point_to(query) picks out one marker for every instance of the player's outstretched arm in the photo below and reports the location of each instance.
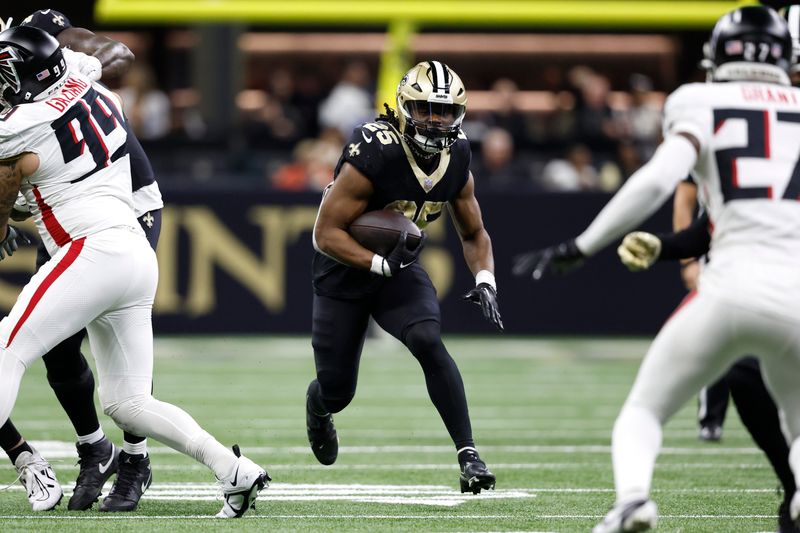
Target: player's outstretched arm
(477, 245)
(115, 57)
(638, 199)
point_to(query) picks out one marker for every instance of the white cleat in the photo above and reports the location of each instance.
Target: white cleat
(242, 487)
(633, 516)
(39, 480)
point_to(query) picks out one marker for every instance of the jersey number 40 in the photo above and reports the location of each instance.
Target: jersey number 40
(758, 146)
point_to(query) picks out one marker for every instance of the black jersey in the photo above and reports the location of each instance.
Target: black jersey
(377, 150)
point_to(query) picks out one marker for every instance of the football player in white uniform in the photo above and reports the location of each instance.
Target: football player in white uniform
(68, 372)
(63, 144)
(739, 136)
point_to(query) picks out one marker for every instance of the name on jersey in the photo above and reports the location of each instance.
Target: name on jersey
(772, 95)
(72, 90)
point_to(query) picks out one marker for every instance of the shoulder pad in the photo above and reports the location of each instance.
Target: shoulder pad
(688, 95)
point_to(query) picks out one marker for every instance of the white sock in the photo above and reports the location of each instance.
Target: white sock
(135, 448)
(634, 447)
(93, 437)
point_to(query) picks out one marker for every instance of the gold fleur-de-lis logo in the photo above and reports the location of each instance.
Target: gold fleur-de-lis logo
(354, 151)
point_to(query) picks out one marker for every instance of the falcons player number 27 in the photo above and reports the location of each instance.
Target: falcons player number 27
(759, 147)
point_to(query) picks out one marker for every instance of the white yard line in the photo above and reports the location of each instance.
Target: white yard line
(377, 517)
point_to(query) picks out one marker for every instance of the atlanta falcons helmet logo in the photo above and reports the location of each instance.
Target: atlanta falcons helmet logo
(8, 74)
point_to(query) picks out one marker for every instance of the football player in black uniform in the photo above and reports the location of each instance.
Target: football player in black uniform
(415, 162)
(67, 370)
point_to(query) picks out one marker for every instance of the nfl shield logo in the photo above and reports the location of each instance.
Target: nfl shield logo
(428, 184)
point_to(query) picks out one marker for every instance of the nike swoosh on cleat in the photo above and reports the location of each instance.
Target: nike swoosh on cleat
(235, 477)
(103, 467)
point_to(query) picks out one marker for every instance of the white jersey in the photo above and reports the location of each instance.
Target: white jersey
(83, 183)
(748, 177)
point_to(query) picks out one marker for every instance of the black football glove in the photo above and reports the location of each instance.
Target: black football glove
(485, 296)
(401, 256)
(558, 259)
(12, 241)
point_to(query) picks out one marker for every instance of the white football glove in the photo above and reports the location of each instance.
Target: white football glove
(87, 65)
(639, 250)
(5, 24)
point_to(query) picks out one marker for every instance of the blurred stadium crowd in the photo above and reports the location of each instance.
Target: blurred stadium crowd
(558, 127)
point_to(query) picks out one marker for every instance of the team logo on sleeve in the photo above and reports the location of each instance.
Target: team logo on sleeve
(8, 74)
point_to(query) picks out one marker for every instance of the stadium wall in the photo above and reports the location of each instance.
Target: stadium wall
(240, 263)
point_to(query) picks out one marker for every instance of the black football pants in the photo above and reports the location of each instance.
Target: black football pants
(407, 308)
(760, 416)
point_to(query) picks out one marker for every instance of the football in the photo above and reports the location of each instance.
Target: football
(379, 230)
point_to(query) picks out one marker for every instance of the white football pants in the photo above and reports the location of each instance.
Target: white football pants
(105, 282)
(697, 345)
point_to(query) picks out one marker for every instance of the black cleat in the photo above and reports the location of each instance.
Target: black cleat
(474, 474)
(98, 462)
(133, 478)
(321, 433)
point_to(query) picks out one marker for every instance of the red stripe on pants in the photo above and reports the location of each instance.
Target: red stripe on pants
(72, 254)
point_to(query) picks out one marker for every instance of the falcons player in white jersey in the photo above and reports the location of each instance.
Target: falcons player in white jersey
(63, 145)
(739, 136)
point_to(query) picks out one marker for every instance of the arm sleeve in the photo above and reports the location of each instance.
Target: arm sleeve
(694, 241)
(641, 196)
(48, 20)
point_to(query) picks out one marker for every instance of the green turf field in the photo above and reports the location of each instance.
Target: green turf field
(542, 412)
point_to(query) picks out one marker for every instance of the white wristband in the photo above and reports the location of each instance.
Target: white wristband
(377, 267)
(484, 276)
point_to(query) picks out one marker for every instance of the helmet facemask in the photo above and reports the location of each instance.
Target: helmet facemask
(432, 126)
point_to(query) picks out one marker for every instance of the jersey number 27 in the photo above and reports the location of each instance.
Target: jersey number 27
(758, 146)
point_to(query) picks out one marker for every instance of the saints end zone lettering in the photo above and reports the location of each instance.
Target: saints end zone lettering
(212, 245)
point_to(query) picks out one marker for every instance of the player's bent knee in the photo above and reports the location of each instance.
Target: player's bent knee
(337, 402)
(125, 413)
(423, 337)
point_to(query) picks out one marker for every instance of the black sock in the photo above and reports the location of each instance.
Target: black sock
(13, 454)
(10, 438)
(445, 386)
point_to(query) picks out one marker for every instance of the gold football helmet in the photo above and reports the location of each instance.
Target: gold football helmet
(431, 102)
